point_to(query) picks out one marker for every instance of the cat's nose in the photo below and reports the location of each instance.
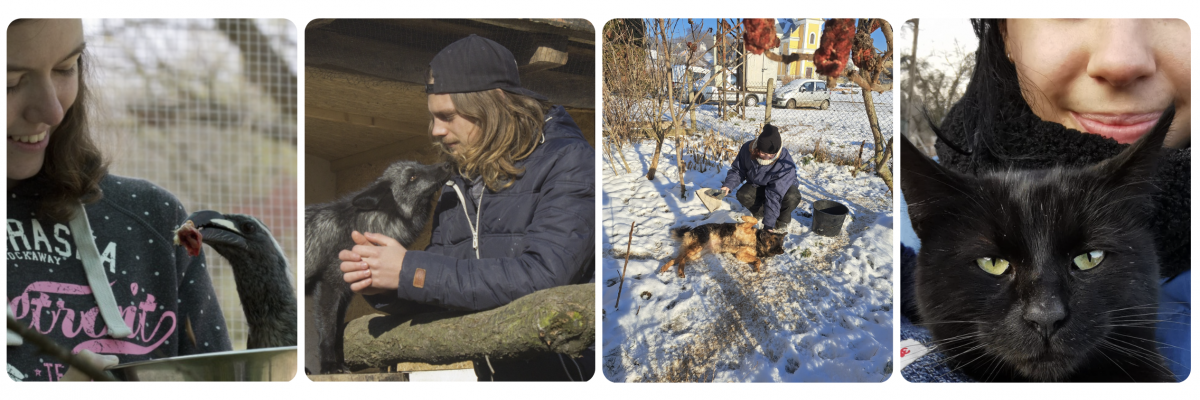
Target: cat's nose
(1045, 313)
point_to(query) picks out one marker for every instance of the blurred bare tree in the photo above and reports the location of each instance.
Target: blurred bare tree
(934, 84)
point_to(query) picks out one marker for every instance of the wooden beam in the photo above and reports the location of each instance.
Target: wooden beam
(577, 29)
(388, 60)
(374, 60)
(354, 119)
(349, 92)
(318, 23)
(419, 145)
(548, 52)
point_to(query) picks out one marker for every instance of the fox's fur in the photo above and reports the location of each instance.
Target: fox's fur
(396, 205)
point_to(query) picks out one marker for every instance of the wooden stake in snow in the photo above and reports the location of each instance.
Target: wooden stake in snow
(627, 247)
(858, 163)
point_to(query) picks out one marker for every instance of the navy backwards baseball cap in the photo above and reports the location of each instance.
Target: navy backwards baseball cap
(474, 64)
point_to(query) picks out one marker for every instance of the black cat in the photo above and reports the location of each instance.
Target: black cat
(1040, 275)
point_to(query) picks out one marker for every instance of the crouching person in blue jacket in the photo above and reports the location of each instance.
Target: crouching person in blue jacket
(772, 190)
(520, 215)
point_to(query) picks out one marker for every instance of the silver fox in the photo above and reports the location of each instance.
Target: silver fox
(397, 205)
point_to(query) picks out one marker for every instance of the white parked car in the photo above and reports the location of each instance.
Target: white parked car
(731, 94)
(802, 93)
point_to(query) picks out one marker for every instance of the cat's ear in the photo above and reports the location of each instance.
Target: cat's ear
(1133, 167)
(928, 187)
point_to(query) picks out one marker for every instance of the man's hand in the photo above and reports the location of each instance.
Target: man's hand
(724, 191)
(373, 265)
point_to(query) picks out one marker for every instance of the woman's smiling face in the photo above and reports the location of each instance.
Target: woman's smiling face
(43, 82)
(1111, 77)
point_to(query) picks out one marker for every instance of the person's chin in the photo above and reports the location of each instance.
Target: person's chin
(23, 167)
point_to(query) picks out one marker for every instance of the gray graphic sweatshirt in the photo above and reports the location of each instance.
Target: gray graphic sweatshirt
(164, 296)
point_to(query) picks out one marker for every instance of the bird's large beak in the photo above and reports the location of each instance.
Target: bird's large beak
(216, 229)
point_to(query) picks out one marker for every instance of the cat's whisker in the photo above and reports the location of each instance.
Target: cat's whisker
(944, 341)
(1132, 358)
(1143, 325)
(946, 358)
(947, 322)
(1116, 363)
(1154, 304)
(1145, 358)
(1149, 356)
(1146, 321)
(1148, 306)
(1160, 344)
(961, 366)
(994, 369)
(1139, 314)
(947, 348)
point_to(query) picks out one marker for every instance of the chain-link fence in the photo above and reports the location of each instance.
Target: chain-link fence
(207, 110)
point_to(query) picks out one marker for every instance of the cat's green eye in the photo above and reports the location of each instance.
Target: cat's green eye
(1089, 260)
(994, 266)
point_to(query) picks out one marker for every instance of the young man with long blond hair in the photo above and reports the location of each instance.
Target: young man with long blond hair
(519, 215)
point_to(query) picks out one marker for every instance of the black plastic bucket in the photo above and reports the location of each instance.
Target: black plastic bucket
(828, 217)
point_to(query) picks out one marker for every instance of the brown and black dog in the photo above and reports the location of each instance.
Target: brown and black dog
(748, 244)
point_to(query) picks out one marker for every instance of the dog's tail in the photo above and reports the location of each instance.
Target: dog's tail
(678, 234)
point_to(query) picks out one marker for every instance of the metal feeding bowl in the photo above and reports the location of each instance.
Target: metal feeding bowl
(271, 364)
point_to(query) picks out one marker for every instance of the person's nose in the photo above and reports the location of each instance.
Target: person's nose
(439, 128)
(1123, 52)
(44, 106)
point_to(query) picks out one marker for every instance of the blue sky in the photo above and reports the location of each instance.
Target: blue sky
(682, 28)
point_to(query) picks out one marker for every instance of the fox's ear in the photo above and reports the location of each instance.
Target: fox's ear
(370, 199)
(749, 219)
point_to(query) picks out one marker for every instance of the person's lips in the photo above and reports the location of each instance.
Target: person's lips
(1124, 128)
(30, 142)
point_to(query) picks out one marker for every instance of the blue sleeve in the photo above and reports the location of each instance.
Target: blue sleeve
(1172, 329)
(735, 177)
(779, 187)
(558, 243)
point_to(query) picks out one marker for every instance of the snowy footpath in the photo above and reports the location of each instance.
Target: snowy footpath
(820, 312)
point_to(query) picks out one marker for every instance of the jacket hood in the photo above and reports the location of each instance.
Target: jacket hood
(559, 124)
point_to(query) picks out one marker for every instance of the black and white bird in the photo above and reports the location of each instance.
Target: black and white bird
(260, 269)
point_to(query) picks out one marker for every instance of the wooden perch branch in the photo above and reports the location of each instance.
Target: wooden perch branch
(555, 320)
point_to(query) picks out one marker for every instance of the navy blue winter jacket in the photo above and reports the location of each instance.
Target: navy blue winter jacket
(536, 234)
(777, 177)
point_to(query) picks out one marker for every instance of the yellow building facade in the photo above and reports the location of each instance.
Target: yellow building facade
(804, 40)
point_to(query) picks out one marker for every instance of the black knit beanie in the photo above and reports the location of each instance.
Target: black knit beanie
(768, 140)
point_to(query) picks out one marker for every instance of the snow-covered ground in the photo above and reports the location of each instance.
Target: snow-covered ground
(820, 312)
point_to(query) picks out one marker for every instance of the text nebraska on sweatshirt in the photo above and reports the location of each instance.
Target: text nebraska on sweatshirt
(33, 244)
